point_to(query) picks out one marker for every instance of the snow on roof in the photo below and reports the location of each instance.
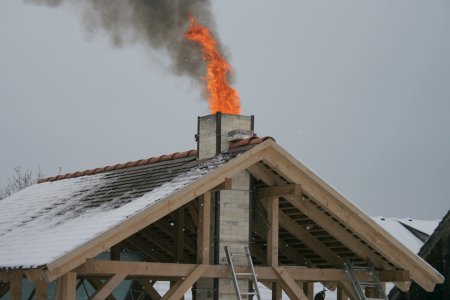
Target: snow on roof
(396, 228)
(45, 221)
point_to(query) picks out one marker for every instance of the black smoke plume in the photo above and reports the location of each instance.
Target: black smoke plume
(158, 23)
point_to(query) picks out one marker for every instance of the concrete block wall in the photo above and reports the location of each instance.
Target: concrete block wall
(234, 226)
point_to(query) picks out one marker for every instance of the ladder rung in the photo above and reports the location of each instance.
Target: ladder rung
(368, 283)
(238, 254)
(248, 293)
(244, 274)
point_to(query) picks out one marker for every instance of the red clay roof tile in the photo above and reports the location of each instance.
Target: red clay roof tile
(177, 155)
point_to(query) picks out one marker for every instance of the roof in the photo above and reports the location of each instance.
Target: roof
(53, 218)
(410, 232)
(67, 221)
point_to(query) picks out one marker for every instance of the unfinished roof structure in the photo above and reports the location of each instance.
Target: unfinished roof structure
(169, 218)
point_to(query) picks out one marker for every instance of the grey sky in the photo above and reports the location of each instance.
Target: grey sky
(357, 90)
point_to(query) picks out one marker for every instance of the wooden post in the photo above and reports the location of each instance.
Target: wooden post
(341, 293)
(179, 236)
(272, 242)
(66, 288)
(41, 289)
(308, 289)
(16, 286)
(204, 228)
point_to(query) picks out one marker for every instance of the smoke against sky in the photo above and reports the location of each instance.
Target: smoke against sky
(357, 90)
(159, 24)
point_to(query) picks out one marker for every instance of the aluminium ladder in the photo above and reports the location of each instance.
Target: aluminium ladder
(254, 291)
(358, 286)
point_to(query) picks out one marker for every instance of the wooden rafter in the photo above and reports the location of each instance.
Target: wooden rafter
(351, 216)
(309, 240)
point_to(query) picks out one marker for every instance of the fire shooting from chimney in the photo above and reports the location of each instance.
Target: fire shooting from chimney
(162, 24)
(221, 96)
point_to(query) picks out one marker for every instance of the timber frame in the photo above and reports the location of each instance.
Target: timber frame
(301, 230)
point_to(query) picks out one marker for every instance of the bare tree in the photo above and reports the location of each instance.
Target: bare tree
(20, 180)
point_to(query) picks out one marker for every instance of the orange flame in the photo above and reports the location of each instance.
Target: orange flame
(221, 96)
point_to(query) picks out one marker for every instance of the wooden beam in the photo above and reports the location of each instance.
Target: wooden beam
(340, 233)
(272, 233)
(403, 285)
(15, 284)
(68, 286)
(309, 240)
(204, 228)
(226, 185)
(179, 228)
(155, 212)
(289, 285)
(192, 210)
(269, 178)
(279, 191)
(97, 284)
(173, 270)
(350, 215)
(4, 288)
(308, 289)
(109, 286)
(42, 290)
(183, 284)
(170, 231)
(150, 290)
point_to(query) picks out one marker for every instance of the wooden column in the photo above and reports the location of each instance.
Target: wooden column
(272, 208)
(179, 236)
(66, 287)
(41, 289)
(341, 293)
(204, 228)
(16, 286)
(308, 289)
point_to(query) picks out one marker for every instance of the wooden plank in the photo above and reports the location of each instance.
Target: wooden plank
(224, 186)
(4, 288)
(289, 285)
(41, 291)
(156, 211)
(97, 284)
(109, 286)
(309, 240)
(308, 289)
(179, 228)
(272, 233)
(279, 191)
(317, 216)
(346, 238)
(150, 290)
(167, 270)
(68, 286)
(183, 284)
(192, 210)
(353, 217)
(204, 228)
(15, 285)
(403, 285)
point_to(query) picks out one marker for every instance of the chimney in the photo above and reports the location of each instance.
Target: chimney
(215, 132)
(230, 208)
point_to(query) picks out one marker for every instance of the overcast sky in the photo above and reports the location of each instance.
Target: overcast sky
(359, 91)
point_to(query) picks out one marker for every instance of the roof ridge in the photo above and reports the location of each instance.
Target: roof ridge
(254, 140)
(140, 162)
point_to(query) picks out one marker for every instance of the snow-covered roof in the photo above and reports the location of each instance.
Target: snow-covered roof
(45, 221)
(398, 228)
